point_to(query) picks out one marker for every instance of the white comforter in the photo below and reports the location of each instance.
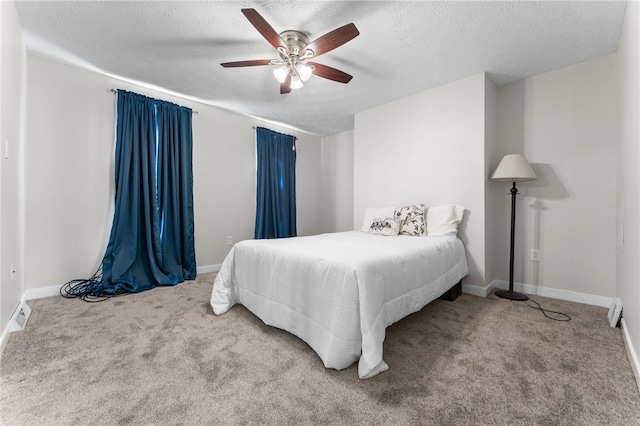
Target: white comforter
(339, 292)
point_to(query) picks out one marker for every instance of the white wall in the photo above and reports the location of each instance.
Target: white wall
(310, 206)
(337, 181)
(628, 166)
(427, 148)
(12, 112)
(443, 144)
(69, 175)
(492, 192)
(564, 122)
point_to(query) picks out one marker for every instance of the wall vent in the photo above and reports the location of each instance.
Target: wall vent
(20, 317)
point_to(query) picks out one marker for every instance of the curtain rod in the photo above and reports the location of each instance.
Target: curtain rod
(295, 137)
(193, 111)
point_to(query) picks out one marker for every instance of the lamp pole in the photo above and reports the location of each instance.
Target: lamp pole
(510, 294)
(513, 168)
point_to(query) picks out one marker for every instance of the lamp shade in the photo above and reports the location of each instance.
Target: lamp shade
(513, 168)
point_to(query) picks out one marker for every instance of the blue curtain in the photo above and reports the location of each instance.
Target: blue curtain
(276, 185)
(152, 236)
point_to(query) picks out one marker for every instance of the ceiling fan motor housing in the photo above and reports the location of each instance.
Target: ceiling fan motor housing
(296, 41)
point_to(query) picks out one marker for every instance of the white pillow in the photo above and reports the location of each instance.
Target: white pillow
(444, 220)
(372, 213)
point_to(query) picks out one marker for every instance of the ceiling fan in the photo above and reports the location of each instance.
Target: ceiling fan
(295, 51)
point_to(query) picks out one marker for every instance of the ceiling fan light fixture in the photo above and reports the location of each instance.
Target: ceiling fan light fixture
(304, 71)
(281, 73)
(294, 49)
(296, 82)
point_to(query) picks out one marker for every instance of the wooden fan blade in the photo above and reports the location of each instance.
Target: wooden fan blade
(333, 39)
(330, 73)
(252, 63)
(263, 28)
(286, 86)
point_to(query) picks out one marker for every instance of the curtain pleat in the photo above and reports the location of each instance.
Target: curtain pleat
(275, 185)
(152, 236)
(176, 195)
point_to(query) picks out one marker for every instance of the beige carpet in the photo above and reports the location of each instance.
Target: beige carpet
(162, 357)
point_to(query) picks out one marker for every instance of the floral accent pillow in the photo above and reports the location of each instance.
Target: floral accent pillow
(388, 226)
(413, 222)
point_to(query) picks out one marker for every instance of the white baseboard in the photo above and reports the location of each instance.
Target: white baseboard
(209, 268)
(631, 352)
(41, 293)
(476, 290)
(570, 296)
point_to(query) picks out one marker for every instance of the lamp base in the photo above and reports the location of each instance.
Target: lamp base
(511, 295)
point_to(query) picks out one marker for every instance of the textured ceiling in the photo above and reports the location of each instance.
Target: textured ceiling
(403, 47)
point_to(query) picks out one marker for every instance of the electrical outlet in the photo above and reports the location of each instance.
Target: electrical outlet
(535, 255)
(229, 240)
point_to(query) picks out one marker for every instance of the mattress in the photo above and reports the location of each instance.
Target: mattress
(339, 292)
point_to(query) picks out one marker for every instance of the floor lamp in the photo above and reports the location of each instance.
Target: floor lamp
(513, 168)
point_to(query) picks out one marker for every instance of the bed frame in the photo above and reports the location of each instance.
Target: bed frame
(453, 293)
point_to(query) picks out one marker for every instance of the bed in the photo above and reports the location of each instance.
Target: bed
(339, 292)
